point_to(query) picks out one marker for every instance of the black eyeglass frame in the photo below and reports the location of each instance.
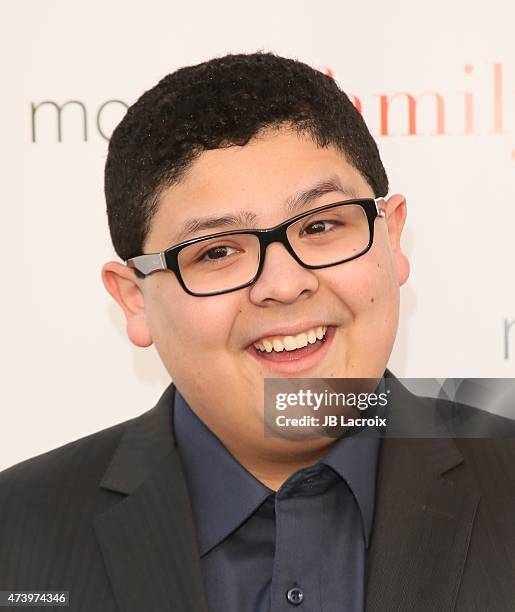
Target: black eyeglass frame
(149, 263)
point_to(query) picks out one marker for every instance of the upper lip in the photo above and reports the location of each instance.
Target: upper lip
(290, 330)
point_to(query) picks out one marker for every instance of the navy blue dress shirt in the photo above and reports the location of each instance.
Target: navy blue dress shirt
(302, 547)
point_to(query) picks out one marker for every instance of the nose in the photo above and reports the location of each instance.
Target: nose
(282, 279)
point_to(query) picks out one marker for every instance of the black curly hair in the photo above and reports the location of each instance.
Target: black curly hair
(221, 103)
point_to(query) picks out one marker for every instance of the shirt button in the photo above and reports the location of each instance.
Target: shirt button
(295, 596)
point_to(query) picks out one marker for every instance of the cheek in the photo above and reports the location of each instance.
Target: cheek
(368, 287)
(193, 326)
(379, 300)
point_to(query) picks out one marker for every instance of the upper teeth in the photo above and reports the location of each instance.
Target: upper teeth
(290, 343)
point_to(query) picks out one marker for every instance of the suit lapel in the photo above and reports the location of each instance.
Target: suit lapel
(422, 524)
(148, 539)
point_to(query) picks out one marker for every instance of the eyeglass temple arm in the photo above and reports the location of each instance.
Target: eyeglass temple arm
(146, 264)
(152, 262)
(380, 211)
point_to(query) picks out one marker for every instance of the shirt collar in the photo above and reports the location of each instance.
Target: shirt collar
(224, 494)
(354, 459)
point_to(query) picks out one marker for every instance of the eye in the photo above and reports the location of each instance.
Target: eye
(318, 227)
(217, 253)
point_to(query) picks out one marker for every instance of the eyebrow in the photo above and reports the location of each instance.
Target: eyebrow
(302, 198)
(247, 219)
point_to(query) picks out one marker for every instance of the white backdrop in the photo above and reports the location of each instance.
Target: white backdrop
(67, 366)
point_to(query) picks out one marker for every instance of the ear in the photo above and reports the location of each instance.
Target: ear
(395, 208)
(124, 287)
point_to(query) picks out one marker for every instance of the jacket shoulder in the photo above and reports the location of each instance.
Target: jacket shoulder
(64, 478)
(47, 504)
(79, 454)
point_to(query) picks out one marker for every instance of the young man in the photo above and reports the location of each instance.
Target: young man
(189, 507)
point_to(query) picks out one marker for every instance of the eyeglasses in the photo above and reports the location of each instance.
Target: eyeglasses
(228, 261)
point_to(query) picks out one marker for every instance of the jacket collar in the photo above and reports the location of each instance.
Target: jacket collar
(423, 521)
(147, 440)
(148, 539)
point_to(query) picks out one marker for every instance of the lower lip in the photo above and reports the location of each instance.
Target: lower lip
(297, 361)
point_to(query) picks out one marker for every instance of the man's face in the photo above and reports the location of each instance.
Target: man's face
(207, 343)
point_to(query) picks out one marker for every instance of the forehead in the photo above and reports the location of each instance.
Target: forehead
(261, 178)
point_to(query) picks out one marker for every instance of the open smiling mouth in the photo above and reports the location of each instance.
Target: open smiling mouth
(292, 348)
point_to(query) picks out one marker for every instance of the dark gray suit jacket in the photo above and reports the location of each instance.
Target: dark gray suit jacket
(108, 518)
